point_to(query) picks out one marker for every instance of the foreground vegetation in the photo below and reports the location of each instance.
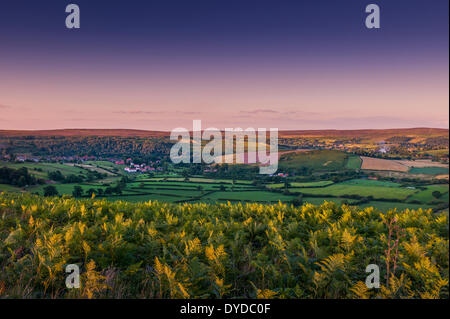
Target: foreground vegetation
(162, 250)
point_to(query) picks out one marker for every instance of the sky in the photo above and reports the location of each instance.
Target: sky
(159, 65)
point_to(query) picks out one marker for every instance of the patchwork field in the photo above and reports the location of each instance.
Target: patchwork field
(171, 187)
(384, 194)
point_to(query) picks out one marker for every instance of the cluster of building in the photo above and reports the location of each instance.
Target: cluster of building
(23, 158)
(279, 175)
(140, 168)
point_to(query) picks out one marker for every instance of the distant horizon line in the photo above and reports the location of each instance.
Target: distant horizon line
(381, 133)
(168, 131)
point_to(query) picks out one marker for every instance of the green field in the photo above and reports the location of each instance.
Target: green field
(176, 193)
(108, 166)
(253, 196)
(194, 179)
(146, 198)
(67, 189)
(46, 168)
(305, 184)
(353, 162)
(342, 190)
(429, 170)
(425, 196)
(321, 160)
(177, 189)
(63, 189)
(187, 185)
(370, 183)
(9, 188)
(172, 188)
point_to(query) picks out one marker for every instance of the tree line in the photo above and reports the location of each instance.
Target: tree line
(18, 177)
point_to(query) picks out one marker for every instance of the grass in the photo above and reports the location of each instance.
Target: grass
(46, 168)
(63, 189)
(343, 190)
(428, 170)
(67, 189)
(362, 187)
(9, 188)
(105, 164)
(175, 193)
(425, 196)
(370, 183)
(353, 162)
(253, 196)
(109, 166)
(186, 185)
(146, 198)
(305, 184)
(195, 179)
(321, 160)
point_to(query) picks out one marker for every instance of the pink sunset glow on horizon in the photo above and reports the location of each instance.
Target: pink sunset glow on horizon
(286, 99)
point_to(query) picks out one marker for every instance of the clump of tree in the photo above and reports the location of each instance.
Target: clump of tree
(77, 191)
(436, 194)
(56, 176)
(72, 178)
(17, 177)
(50, 191)
(298, 201)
